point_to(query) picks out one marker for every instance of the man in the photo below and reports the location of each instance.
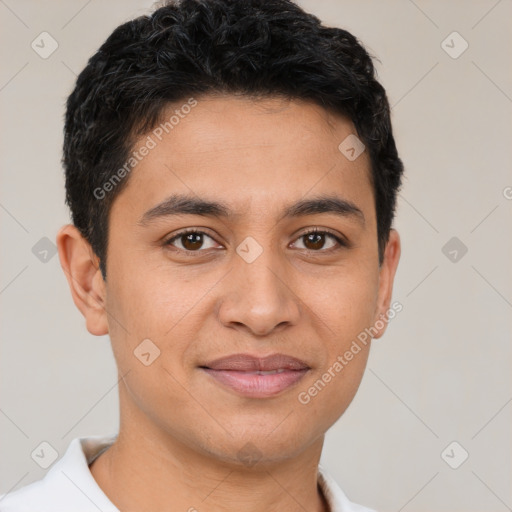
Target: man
(232, 175)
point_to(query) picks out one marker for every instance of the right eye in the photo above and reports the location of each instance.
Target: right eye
(189, 240)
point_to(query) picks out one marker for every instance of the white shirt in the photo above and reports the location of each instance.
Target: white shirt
(70, 487)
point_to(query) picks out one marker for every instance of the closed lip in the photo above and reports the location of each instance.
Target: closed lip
(250, 363)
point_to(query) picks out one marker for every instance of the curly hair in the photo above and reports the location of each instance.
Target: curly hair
(257, 48)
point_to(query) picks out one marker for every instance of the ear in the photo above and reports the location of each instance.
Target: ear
(386, 279)
(81, 267)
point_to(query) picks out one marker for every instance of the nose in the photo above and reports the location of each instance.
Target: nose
(258, 297)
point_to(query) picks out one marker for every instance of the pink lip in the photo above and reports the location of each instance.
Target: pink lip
(241, 373)
(248, 363)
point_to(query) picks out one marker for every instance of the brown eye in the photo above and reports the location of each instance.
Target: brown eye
(191, 241)
(316, 240)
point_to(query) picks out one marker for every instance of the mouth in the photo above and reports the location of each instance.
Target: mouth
(256, 377)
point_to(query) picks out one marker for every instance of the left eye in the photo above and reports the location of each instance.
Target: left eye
(315, 240)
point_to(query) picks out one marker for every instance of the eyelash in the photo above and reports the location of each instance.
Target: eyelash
(341, 242)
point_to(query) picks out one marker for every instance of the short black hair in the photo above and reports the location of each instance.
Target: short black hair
(186, 48)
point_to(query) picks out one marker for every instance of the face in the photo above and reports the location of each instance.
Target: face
(249, 276)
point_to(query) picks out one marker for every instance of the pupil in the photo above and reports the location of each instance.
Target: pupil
(316, 239)
(192, 241)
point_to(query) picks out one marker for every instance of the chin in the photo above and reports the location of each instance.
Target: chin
(250, 448)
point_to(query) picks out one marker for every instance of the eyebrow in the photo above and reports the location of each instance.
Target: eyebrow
(179, 204)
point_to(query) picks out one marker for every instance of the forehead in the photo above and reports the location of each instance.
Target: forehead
(253, 153)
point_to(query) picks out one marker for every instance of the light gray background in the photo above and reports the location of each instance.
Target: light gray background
(442, 371)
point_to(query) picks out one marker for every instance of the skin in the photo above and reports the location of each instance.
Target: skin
(181, 431)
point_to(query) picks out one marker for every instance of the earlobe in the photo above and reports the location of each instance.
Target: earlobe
(386, 279)
(81, 267)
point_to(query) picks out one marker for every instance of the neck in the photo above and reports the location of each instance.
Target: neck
(147, 469)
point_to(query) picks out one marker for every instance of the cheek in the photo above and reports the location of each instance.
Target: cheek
(346, 303)
(146, 303)
(148, 300)
(346, 306)
(148, 345)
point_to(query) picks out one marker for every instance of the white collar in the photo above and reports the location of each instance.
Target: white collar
(69, 485)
